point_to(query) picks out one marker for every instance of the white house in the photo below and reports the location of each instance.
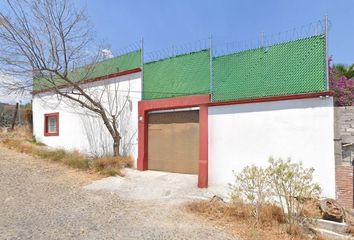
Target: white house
(206, 115)
(61, 123)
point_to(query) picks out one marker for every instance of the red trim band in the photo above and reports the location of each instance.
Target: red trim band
(274, 98)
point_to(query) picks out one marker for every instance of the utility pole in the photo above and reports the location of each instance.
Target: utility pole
(19, 113)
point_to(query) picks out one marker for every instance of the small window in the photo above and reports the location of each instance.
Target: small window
(51, 124)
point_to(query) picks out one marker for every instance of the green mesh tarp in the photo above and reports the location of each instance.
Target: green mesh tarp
(177, 76)
(113, 65)
(283, 69)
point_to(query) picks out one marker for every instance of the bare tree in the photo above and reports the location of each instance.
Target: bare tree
(49, 41)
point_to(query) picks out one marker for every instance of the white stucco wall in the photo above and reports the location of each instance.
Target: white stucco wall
(83, 130)
(245, 134)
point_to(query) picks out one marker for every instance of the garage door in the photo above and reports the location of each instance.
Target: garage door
(173, 144)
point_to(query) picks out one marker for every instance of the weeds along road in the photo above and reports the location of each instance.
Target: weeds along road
(44, 200)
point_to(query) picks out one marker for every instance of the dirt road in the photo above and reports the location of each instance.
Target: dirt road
(45, 200)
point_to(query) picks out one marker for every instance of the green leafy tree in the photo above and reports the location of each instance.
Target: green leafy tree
(342, 70)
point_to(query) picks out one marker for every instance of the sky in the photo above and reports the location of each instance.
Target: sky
(163, 24)
(168, 23)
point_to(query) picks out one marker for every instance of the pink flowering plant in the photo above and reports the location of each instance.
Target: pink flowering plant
(342, 85)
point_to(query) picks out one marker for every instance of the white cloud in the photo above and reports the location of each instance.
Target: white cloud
(106, 53)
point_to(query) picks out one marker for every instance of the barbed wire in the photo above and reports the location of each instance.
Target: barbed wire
(176, 50)
(266, 40)
(133, 47)
(220, 48)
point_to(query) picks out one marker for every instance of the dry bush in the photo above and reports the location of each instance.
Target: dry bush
(288, 182)
(293, 185)
(350, 230)
(311, 209)
(251, 185)
(271, 214)
(112, 166)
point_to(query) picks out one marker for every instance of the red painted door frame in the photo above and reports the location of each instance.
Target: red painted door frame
(147, 106)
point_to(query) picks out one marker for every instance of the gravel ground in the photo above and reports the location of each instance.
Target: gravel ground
(158, 186)
(41, 200)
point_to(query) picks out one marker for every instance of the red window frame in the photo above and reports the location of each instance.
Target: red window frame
(46, 116)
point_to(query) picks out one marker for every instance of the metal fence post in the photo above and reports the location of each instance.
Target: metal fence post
(261, 39)
(142, 68)
(326, 22)
(211, 67)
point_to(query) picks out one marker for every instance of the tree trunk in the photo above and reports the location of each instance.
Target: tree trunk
(14, 118)
(116, 145)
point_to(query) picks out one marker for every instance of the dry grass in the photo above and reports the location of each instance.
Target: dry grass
(270, 214)
(76, 160)
(220, 210)
(296, 231)
(238, 219)
(19, 133)
(54, 155)
(19, 145)
(320, 237)
(112, 166)
(73, 159)
(21, 141)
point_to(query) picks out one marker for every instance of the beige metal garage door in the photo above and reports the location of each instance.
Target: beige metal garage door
(173, 144)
